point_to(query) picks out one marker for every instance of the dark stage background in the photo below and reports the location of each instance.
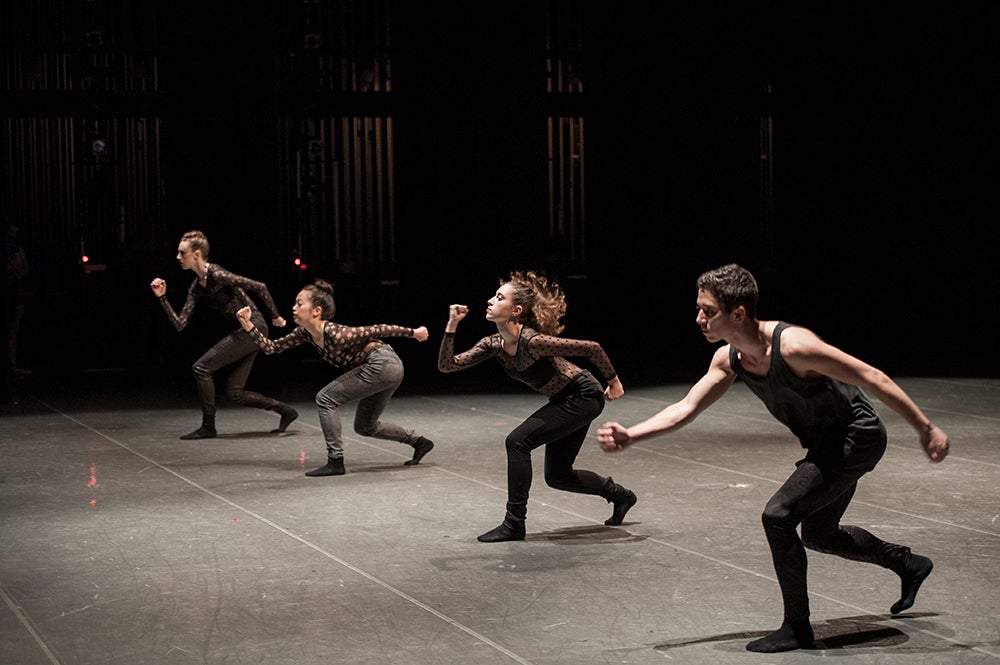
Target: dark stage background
(414, 152)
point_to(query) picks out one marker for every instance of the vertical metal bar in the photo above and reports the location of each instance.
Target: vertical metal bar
(366, 220)
(158, 173)
(347, 165)
(767, 180)
(377, 189)
(571, 192)
(551, 175)
(357, 221)
(563, 184)
(391, 187)
(581, 187)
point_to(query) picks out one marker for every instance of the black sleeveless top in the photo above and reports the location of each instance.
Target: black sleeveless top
(815, 410)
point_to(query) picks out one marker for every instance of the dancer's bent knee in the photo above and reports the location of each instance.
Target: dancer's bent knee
(777, 519)
(517, 448)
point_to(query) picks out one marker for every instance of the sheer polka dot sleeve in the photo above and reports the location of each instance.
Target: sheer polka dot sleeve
(549, 346)
(295, 338)
(243, 286)
(344, 346)
(180, 321)
(449, 362)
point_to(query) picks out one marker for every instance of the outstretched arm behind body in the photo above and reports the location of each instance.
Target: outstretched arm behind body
(808, 355)
(614, 437)
(252, 287)
(551, 345)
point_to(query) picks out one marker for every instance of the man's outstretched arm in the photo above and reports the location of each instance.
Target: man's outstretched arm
(614, 437)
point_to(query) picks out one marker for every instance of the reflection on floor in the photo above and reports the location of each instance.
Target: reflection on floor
(122, 544)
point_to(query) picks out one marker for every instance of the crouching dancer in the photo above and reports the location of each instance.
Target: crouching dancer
(813, 388)
(526, 310)
(374, 372)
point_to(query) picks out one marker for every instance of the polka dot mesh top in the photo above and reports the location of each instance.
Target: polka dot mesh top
(539, 361)
(343, 346)
(224, 292)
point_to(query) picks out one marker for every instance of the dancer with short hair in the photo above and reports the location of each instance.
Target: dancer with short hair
(217, 289)
(815, 390)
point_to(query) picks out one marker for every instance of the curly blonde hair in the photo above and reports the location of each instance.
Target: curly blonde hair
(543, 302)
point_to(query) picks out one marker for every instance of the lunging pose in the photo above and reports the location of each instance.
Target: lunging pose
(374, 371)
(814, 389)
(526, 310)
(216, 288)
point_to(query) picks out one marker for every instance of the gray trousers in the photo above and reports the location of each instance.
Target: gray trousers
(238, 351)
(371, 384)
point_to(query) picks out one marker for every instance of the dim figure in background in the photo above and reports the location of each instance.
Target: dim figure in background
(15, 291)
(218, 289)
(527, 310)
(815, 390)
(374, 371)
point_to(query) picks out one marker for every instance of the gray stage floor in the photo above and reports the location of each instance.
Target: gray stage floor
(123, 545)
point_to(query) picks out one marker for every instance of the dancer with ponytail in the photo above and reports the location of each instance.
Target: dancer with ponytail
(218, 289)
(527, 310)
(374, 371)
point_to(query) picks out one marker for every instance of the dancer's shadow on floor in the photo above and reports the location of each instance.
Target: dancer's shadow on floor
(843, 633)
(263, 434)
(383, 468)
(848, 632)
(586, 534)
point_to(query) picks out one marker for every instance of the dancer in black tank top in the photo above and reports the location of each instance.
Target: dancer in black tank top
(815, 390)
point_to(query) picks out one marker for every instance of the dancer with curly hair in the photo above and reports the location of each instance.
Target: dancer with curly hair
(374, 371)
(217, 289)
(527, 309)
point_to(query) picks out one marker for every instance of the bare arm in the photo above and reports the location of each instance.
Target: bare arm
(808, 355)
(613, 437)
